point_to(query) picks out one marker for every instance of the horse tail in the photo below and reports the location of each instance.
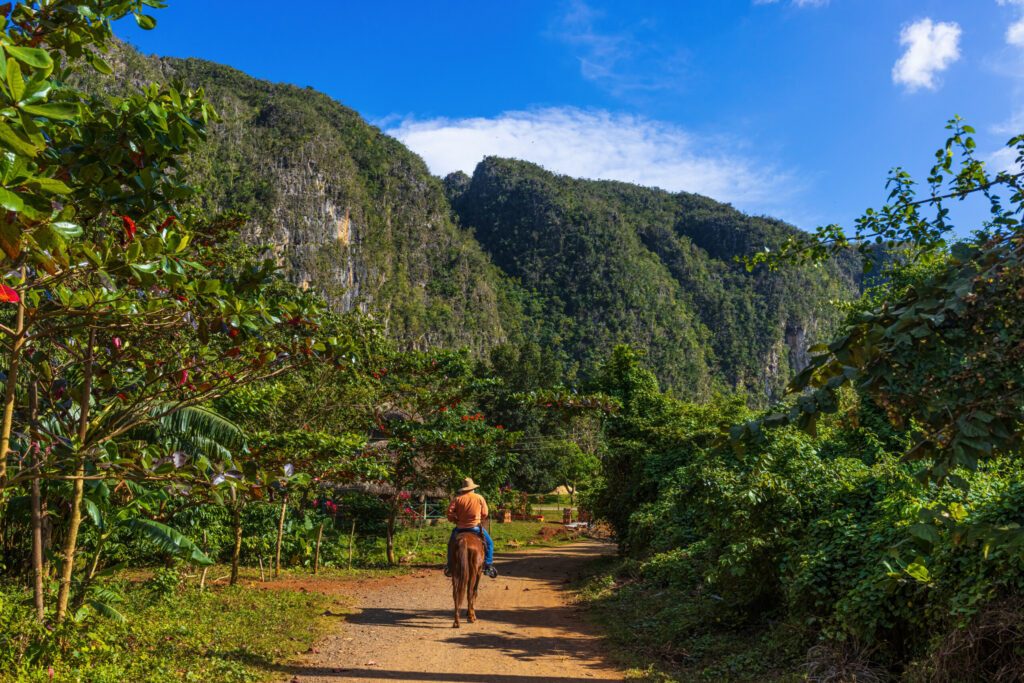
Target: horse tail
(466, 560)
(460, 577)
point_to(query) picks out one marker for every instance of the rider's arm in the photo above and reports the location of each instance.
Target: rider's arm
(483, 510)
(452, 517)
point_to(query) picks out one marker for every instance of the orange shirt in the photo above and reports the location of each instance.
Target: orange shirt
(467, 510)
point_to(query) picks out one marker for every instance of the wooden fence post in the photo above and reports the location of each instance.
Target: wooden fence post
(351, 541)
(206, 548)
(316, 555)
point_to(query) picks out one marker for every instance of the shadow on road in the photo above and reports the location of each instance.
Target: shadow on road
(392, 675)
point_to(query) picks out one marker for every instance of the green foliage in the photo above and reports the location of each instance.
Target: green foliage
(615, 263)
(877, 566)
(185, 635)
(369, 228)
(940, 354)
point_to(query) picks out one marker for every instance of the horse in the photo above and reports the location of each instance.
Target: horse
(468, 564)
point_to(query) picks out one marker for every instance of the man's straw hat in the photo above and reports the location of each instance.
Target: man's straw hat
(468, 485)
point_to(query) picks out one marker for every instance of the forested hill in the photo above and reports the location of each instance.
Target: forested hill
(349, 211)
(573, 265)
(617, 262)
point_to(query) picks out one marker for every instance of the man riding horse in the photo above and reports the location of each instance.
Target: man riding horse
(468, 510)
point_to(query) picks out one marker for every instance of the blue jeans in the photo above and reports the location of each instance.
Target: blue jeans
(488, 543)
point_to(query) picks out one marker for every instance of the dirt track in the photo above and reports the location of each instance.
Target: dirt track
(527, 632)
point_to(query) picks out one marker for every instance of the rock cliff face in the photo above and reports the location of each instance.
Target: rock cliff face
(347, 210)
(511, 254)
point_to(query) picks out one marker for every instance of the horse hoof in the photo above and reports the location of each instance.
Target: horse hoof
(455, 626)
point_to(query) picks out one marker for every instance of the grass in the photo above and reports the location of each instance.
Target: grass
(667, 633)
(223, 634)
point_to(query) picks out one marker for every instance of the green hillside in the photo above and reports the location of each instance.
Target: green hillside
(620, 263)
(348, 211)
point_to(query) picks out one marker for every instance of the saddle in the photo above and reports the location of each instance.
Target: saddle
(479, 531)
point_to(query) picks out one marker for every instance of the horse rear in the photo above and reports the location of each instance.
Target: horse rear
(468, 565)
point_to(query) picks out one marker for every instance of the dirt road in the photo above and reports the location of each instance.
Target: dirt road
(527, 631)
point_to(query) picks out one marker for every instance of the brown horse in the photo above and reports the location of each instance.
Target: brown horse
(468, 555)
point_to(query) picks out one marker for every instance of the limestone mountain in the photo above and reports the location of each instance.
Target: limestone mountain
(514, 254)
(347, 210)
(616, 262)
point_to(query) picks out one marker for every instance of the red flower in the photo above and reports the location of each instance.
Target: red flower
(233, 332)
(121, 395)
(498, 427)
(8, 295)
(167, 221)
(331, 507)
(117, 343)
(183, 377)
(129, 228)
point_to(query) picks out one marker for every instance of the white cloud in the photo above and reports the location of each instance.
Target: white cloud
(798, 3)
(930, 49)
(601, 145)
(624, 60)
(1014, 125)
(1004, 159)
(1015, 33)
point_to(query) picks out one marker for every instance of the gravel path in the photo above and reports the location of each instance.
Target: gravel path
(527, 632)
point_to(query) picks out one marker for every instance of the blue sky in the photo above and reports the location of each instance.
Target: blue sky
(794, 108)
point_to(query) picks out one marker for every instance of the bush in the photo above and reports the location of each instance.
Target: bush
(831, 539)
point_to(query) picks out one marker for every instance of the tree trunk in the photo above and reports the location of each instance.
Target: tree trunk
(11, 386)
(67, 568)
(236, 552)
(75, 521)
(316, 555)
(37, 505)
(280, 535)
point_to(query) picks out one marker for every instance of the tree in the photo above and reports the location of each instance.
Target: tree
(942, 357)
(118, 320)
(428, 431)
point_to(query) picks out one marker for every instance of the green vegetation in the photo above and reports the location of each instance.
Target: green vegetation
(170, 399)
(871, 529)
(615, 263)
(173, 634)
(184, 384)
(345, 210)
(514, 255)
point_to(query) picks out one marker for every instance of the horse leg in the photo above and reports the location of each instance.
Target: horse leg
(457, 587)
(471, 590)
